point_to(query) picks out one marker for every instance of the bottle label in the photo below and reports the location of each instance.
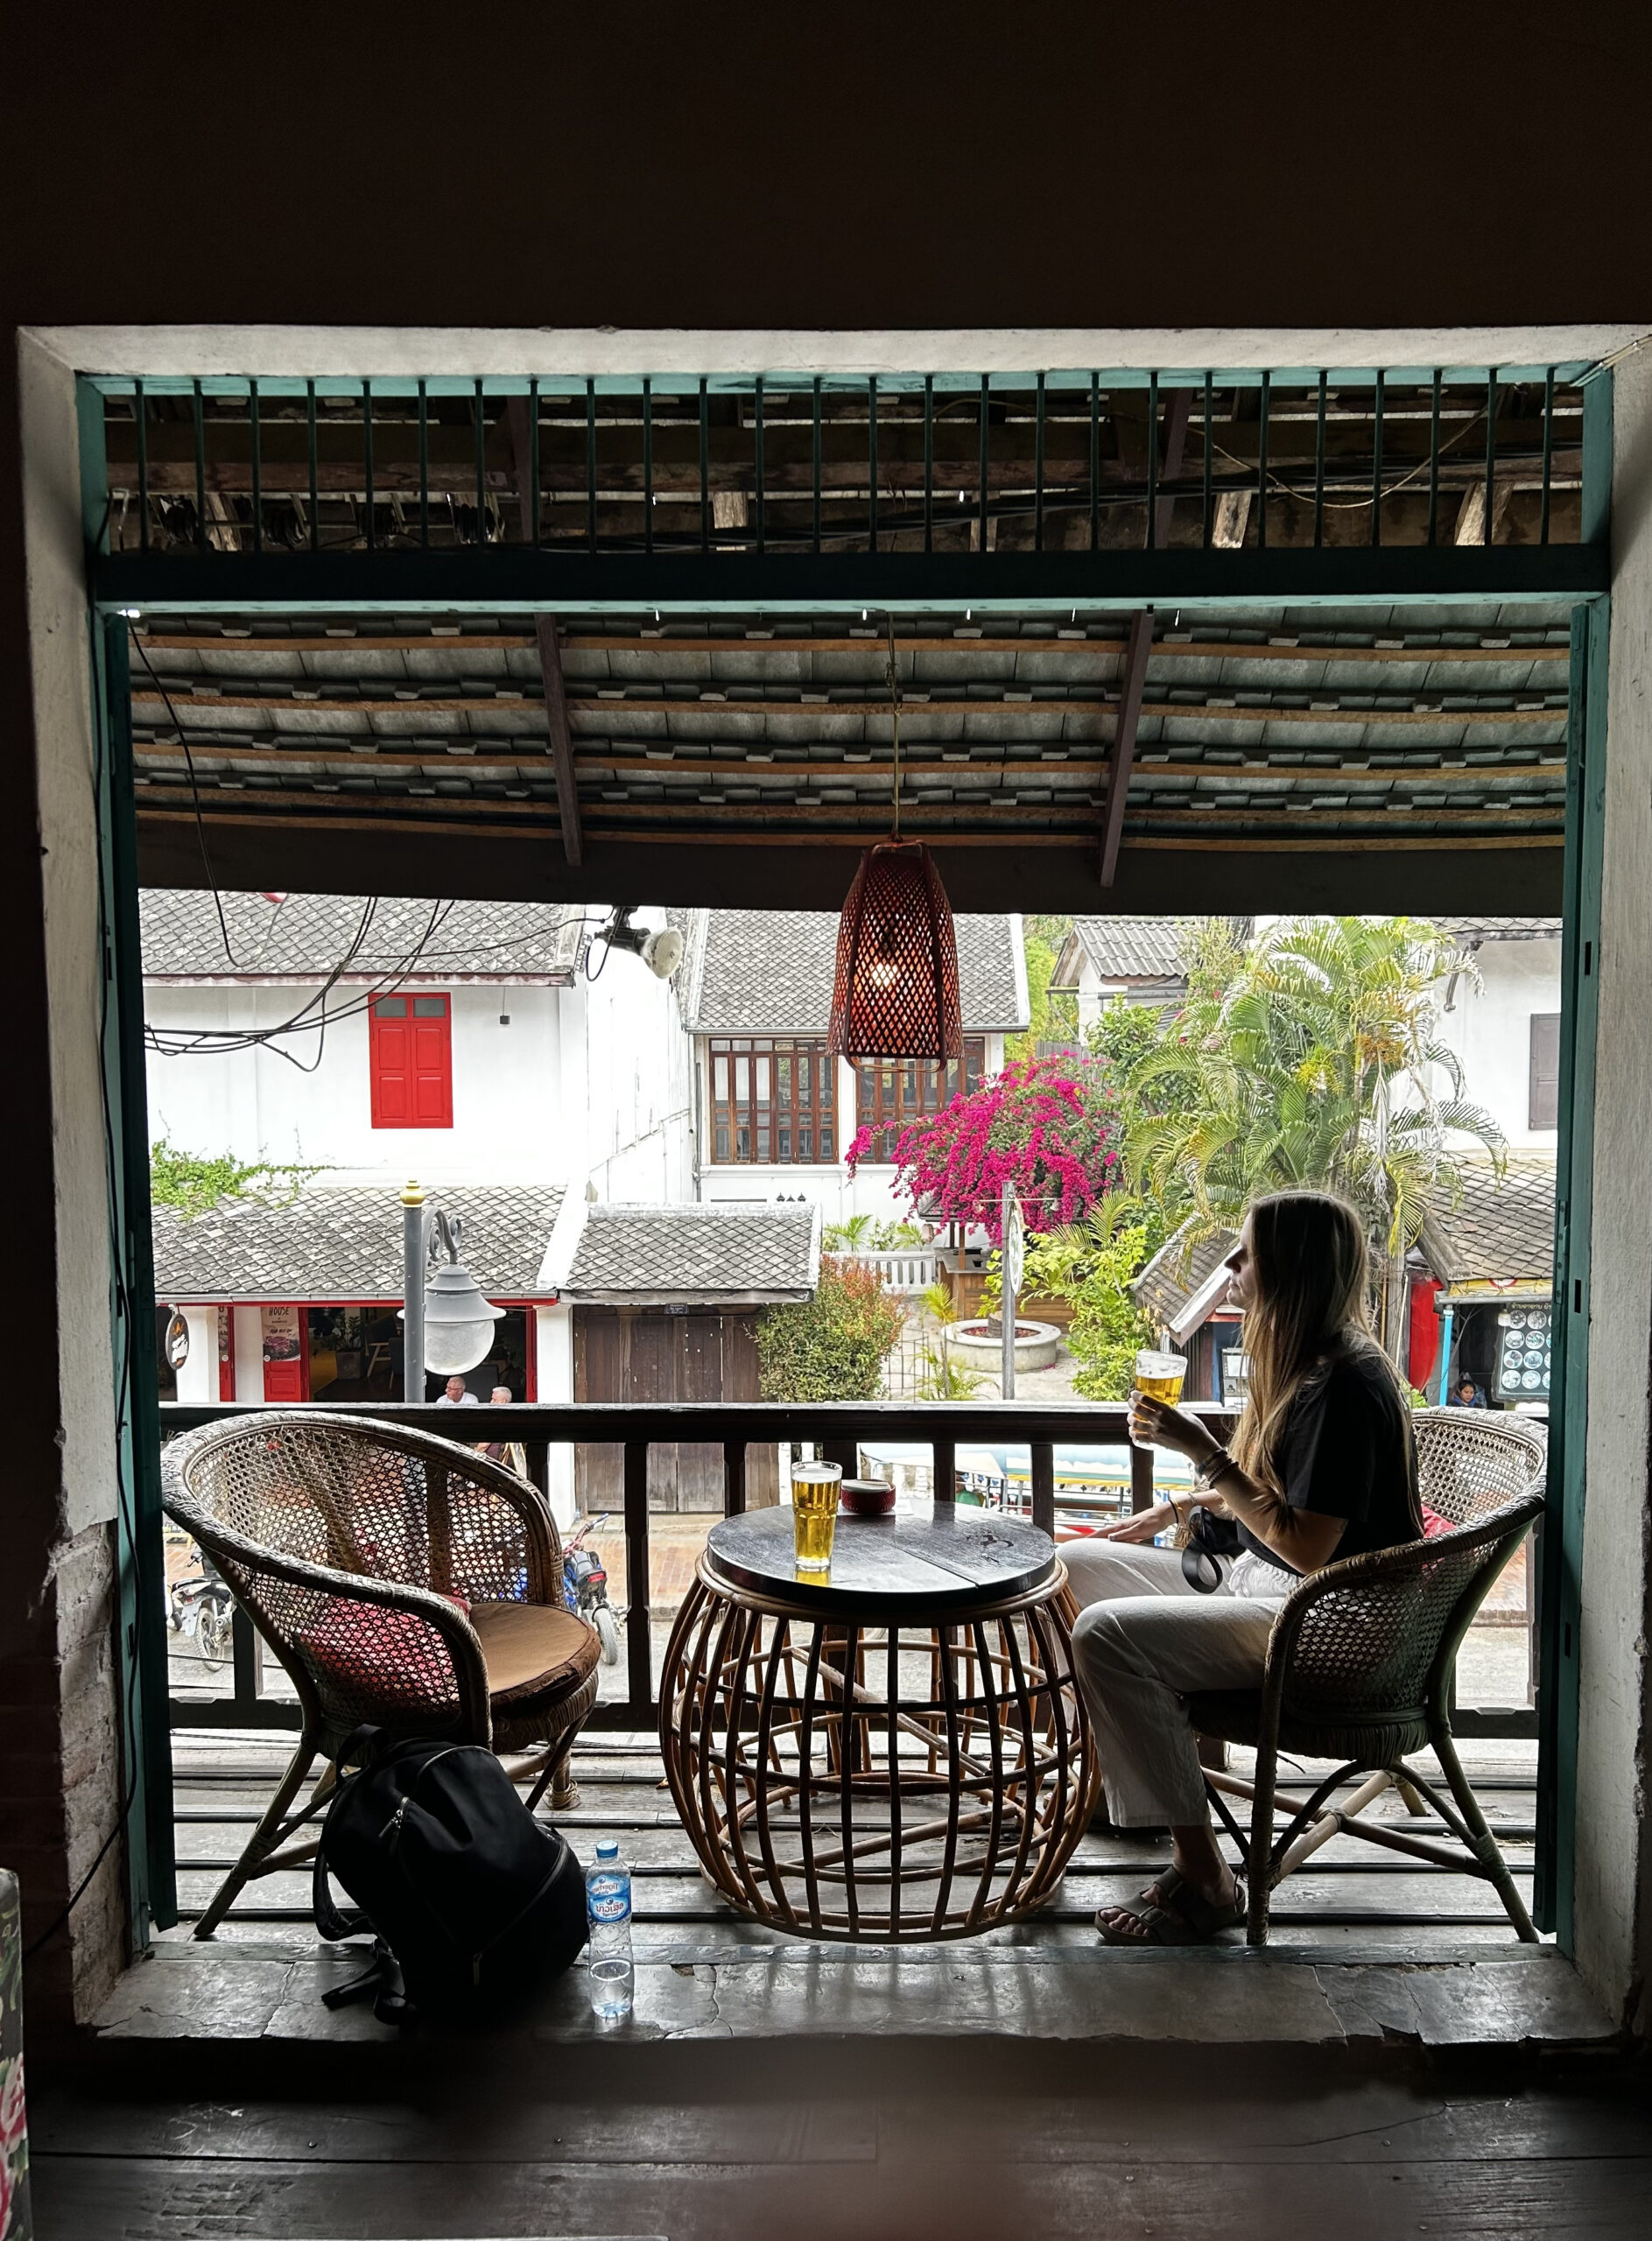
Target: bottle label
(609, 1899)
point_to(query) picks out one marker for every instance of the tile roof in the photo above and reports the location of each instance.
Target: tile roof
(770, 972)
(1134, 949)
(1500, 930)
(694, 1252)
(1503, 1229)
(345, 1242)
(744, 728)
(1176, 1270)
(304, 937)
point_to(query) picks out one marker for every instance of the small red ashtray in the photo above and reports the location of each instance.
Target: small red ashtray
(866, 1497)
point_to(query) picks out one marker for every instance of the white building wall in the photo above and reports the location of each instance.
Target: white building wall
(595, 1079)
(553, 1357)
(198, 1378)
(628, 1103)
(316, 1112)
(248, 1346)
(1489, 1028)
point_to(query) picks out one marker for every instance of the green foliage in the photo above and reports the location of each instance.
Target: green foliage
(1108, 1329)
(859, 1234)
(1053, 1017)
(1312, 1065)
(831, 1347)
(195, 1184)
(1090, 1263)
(942, 1377)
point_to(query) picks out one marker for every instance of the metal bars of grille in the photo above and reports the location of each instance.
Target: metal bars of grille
(659, 466)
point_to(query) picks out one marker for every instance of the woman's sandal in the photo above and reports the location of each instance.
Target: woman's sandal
(1187, 1918)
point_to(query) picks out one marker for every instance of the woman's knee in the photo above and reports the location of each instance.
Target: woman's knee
(1099, 1641)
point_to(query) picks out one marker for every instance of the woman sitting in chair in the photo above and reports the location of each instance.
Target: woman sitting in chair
(1322, 1465)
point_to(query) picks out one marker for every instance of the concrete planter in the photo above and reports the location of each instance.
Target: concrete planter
(979, 1348)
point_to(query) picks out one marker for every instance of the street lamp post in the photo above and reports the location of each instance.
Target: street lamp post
(447, 1325)
(414, 1219)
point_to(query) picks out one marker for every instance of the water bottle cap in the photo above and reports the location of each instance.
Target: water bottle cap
(608, 1848)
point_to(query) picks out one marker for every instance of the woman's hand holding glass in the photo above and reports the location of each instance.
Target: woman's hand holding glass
(1153, 1424)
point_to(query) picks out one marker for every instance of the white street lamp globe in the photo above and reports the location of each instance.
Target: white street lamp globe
(458, 1322)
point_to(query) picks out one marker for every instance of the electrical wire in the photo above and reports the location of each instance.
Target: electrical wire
(195, 787)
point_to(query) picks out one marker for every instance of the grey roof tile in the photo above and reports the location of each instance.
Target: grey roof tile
(344, 1243)
(696, 1252)
(1503, 1229)
(771, 973)
(304, 936)
(1500, 930)
(1178, 1269)
(1134, 949)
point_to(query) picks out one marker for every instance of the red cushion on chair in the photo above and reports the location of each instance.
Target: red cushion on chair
(1434, 1524)
(392, 1660)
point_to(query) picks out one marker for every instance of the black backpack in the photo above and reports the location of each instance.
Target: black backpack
(478, 1903)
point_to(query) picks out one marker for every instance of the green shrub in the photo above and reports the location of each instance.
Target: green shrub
(195, 1184)
(831, 1347)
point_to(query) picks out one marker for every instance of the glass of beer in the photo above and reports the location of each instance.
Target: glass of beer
(1158, 1377)
(814, 1513)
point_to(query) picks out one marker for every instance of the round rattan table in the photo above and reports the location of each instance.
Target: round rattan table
(894, 1749)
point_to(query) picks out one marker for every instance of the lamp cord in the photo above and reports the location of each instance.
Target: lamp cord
(893, 676)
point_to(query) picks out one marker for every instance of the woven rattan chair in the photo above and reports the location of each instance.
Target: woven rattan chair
(401, 1580)
(1360, 1671)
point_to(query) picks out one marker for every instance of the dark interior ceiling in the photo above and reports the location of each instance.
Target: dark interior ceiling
(1365, 758)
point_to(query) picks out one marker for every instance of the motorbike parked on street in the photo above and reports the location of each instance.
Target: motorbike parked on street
(201, 1604)
(584, 1587)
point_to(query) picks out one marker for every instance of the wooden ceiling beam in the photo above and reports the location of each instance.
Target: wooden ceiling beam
(661, 643)
(586, 706)
(1123, 755)
(1009, 769)
(556, 709)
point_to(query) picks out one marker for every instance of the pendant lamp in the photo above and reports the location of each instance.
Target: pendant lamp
(895, 996)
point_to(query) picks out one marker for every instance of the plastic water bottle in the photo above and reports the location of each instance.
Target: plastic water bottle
(607, 1910)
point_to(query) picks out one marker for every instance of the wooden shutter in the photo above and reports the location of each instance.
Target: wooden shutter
(409, 1049)
(1543, 1100)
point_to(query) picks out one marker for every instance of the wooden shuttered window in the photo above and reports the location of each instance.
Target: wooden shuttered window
(772, 1104)
(410, 1058)
(889, 1093)
(1543, 1099)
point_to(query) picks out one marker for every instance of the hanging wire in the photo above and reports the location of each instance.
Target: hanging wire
(893, 676)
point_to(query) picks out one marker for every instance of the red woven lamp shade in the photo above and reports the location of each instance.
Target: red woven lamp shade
(896, 992)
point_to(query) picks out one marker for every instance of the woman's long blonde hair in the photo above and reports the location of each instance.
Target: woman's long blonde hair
(1310, 1276)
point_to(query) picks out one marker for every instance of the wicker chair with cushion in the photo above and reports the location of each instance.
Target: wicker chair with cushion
(401, 1580)
(1360, 1668)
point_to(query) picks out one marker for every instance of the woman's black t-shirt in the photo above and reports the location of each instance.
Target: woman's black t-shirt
(1348, 1450)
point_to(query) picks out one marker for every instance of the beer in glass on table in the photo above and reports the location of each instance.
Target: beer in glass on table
(1158, 1377)
(814, 1513)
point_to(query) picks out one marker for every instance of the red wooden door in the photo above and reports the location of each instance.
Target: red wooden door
(286, 1353)
(409, 1049)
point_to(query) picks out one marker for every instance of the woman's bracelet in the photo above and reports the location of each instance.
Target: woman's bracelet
(1211, 1469)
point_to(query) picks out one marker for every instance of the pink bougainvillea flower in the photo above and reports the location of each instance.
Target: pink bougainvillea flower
(1048, 1126)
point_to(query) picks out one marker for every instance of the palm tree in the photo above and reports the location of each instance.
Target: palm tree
(1314, 1065)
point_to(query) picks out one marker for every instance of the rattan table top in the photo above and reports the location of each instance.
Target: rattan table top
(948, 1559)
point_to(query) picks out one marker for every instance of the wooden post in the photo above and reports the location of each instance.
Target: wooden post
(639, 1668)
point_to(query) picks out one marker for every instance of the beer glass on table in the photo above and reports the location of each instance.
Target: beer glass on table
(814, 1513)
(1158, 1377)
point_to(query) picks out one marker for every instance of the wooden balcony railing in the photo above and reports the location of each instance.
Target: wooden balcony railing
(838, 1428)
